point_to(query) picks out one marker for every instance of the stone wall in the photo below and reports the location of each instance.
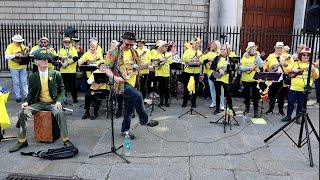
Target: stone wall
(105, 11)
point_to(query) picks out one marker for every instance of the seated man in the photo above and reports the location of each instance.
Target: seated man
(95, 94)
(46, 93)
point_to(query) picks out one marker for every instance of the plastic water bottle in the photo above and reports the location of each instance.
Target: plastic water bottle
(127, 144)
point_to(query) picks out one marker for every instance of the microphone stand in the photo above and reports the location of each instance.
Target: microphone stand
(191, 109)
(151, 106)
(113, 148)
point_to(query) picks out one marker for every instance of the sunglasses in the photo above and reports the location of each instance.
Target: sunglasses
(127, 44)
(67, 42)
(306, 55)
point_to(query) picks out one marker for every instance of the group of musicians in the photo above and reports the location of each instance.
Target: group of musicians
(139, 71)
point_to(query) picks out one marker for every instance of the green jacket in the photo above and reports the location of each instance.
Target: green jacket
(55, 84)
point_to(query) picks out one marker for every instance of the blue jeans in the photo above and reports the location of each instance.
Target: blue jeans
(17, 76)
(133, 100)
(213, 94)
(317, 86)
(294, 96)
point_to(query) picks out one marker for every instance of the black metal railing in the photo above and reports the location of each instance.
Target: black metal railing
(236, 36)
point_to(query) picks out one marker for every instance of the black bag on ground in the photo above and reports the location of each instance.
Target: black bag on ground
(59, 153)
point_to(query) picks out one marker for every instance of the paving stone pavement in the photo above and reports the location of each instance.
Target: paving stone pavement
(178, 148)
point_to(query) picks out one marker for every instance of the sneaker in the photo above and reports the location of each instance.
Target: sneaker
(281, 113)
(123, 134)
(156, 95)
(221, 108)
(269, 112)
(18, 100)
(67, 143)
(152, 123)
(212, 105)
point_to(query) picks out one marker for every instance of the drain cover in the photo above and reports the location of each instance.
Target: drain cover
(16, 176)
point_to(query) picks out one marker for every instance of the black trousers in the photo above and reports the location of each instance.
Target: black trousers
(143, 85)
(95, 96)
(186, 95)
(276, 91)
(70, 84)
(164, 87)
(227, 94)
(250, 90)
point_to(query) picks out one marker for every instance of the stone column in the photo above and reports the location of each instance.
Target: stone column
(299, 12)
(230, 12)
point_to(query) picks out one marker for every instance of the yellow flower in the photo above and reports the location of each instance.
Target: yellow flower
(50, 78)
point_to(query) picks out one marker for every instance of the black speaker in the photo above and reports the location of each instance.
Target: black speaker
(311, 19)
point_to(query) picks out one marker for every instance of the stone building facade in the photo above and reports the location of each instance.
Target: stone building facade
(197, 12)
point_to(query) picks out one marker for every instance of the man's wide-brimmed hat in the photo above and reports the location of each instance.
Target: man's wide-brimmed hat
(44, 38)
(161, 43)
(66, 39)
(279, 44)
(129, 36)
(17, 38)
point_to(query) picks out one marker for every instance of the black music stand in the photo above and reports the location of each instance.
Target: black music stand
(101, 78)
(113, 150)
(305, 120)
(151, 106)
(192, 95)
(266, 76)
(85, 68)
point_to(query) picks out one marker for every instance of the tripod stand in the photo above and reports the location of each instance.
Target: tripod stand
(191, 110)
(113, 148)
(304, 124)
(226, 119)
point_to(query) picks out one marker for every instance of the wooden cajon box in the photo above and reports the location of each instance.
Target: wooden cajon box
(46, 128)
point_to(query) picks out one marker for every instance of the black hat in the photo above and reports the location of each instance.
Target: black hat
(129, 36)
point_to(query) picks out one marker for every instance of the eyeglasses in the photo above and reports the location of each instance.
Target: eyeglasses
(43, 42)
(306, 55)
